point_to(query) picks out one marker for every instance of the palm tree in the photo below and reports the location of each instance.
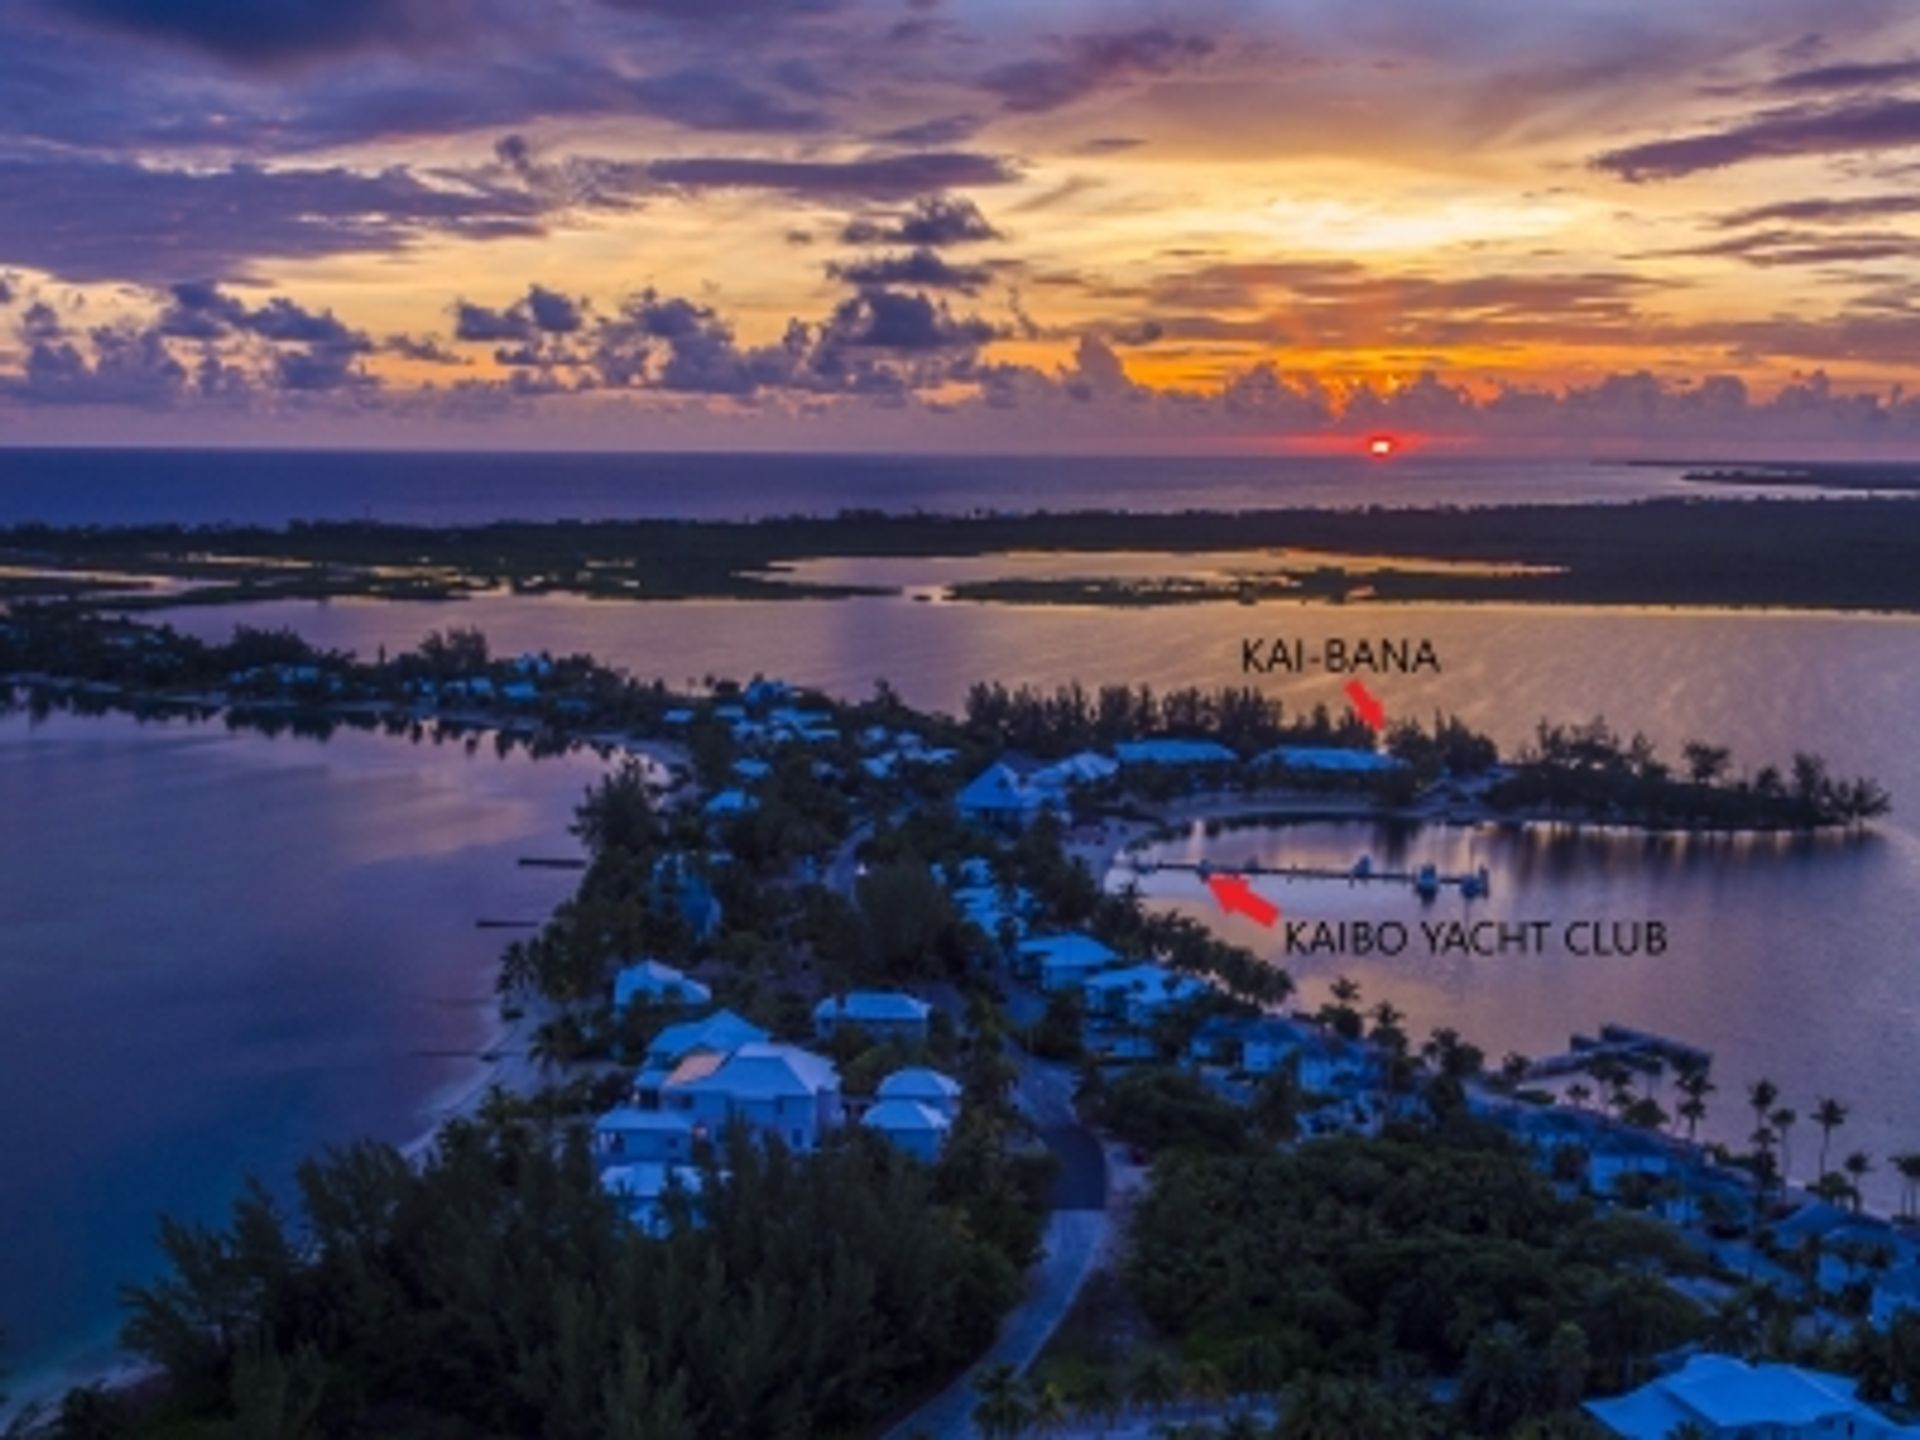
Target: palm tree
(1857, 1165)
(1003, 1409)
(1783, 1120)
(1760, 1096)
(1908, 1164)
(1829, 1115)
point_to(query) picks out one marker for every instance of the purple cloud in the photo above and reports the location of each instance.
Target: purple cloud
(1870, 125)
(875, 177)
(1091, 62)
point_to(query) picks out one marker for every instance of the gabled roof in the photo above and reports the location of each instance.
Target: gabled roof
(1727, 1394)
(905, 1115)
(917, 1082)
(895, 1005)
(765, 1071)
(626, 1119)
(997, 788)
(1074, 950)
(721, 1031)
(1174, 752)
(1331, 759)
(649, 978)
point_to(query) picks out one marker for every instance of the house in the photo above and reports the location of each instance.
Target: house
(777, 1090)
(662, 1136)
(519, 692)
(749, 768)
(1722, 1396)
(881, 1014)
(917, 1129)
(1331, 760)
(1089, 767)
(720, 1033)
(654, 983)
(1255, 1045)
(1138, 994)
(641, 1188)
(1061, 962)
(732, 802)
(999, 795)
(939, 1093)
(1174, 752)
(678, 884)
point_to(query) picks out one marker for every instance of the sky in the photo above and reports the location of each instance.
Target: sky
(1590, 226)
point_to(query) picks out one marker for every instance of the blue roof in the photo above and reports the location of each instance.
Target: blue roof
(1331, 760)
(1174, 752)
(721, 1031)
(997, 788)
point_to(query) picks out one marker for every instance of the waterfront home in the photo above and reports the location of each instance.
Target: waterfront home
(1722, 1396)
(777, 1090)
(917, 1129)
(732, 802)
(628, 1133)
(1089, 767)
(1000, 795)
(939, 1093)
(641, 1188)
(1330, 760)
(654, 983)
(677, 883)
(880, 1014)
(1061, 961)
(1173, 752)
(1139, 994)
(720, 1033)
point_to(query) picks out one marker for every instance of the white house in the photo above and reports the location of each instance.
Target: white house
(659, 1136)
(1139, 993)
(999, 795)
(654, 983)
(640, 1188)
(775, 1089)
(882, 1014)
(939, 1093)
(917, 1129)
(1723, 1396)
(1062, 962)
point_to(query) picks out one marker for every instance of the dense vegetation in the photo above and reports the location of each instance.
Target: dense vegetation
(1840, 554)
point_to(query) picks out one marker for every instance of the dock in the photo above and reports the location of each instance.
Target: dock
(1427, 880)
(1636, 1049)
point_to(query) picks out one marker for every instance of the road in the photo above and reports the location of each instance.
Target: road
(1078, 1230)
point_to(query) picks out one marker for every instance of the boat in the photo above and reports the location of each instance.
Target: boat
(1427, 882)
(1362, 868)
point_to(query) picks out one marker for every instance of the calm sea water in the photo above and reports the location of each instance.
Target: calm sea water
(220, 952)
(272, 488)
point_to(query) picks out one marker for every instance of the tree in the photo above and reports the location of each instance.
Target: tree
(1907, 1163)
(1829, 1115)
(1499, 1381)
(1155, 1381)
(1568, 1361)
(1004, 1409)
(1857, 1165)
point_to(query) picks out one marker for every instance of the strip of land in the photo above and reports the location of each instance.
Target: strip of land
(1856, 554)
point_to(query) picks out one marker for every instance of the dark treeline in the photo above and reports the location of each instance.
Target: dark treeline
(496, 1291)
(1589, 770)
(1057, 722)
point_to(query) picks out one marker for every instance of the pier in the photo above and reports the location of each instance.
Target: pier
(1427, 880)
(1637, 1049)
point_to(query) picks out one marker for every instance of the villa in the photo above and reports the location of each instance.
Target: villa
(774, 1089)
(1138, 994)
(655, 983)
(659, 1136)
(881, 1014)
(918, 1129)
(1000, 795)
(1174, 752)
(1722, 1396)
(939, 1093)
(1062, 962)
(1330, 760)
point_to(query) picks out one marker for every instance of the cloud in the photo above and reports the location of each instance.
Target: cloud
(94, 219)
(1091, 62)
(1882, 124)
(874, 177)
(1800, 247)
(273, 32)
(1824, 211)
(539, 313)
(941, 130)
(705, 99)
(934, 221)
(922, 267)
(1865, 75)
(423, 349)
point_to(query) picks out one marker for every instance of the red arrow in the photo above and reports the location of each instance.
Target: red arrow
(1370, 711)
(1237, 897)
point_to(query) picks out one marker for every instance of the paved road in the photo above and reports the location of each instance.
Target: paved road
(1077, 1233)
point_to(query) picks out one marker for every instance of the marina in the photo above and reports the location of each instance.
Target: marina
(1427, 881)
